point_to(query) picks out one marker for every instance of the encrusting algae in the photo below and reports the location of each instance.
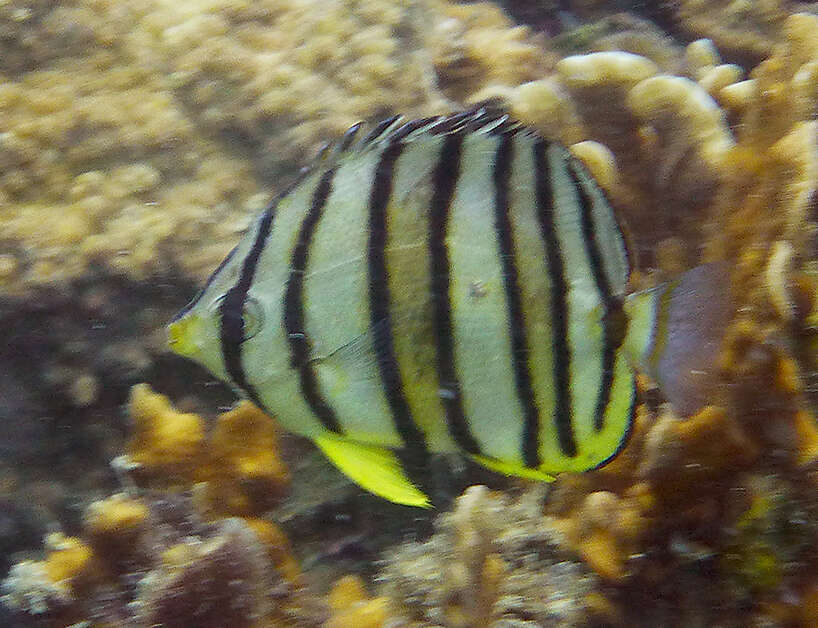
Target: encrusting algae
(704, 520)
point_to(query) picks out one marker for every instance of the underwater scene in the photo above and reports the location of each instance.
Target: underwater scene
(369, 313)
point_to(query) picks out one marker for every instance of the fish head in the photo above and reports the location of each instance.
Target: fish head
(196, 330)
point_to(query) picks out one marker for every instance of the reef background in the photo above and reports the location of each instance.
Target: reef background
(137, 139)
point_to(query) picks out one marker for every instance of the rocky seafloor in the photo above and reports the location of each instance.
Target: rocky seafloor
(137, 139)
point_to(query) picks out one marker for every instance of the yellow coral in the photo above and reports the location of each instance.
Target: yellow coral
(186, 569)
(236, 470)
(243, 473)
(599, 160)
(738, 96)
(117, 516)
(165, 442)
(244, 439)
(602, 69)
(675, 106)
(352, 607)
(68, 558)
(807, 432)
(545, 105)
(748, 29)
(605, 530)
(278, 548)
(114, 149)
(681, 455)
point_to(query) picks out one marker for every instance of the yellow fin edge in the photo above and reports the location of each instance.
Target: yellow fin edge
(376, 469)
(510, 468)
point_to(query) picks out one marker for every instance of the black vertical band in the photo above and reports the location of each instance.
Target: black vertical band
(559, 309)
(530, 443)
(380, 316)
(444, 181)
(294, 307)
(231, 310)
(613, 331)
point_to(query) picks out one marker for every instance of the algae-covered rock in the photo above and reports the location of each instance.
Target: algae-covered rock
(492, 562)
(157, 562)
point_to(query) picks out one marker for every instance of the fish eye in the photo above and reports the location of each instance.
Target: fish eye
(253, 316)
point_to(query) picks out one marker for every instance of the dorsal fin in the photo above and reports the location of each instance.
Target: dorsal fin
(483, 118)
(487, 117)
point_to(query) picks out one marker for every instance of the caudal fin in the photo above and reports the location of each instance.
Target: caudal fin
(676, 331)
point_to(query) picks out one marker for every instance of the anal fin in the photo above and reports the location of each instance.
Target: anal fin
(376, 469)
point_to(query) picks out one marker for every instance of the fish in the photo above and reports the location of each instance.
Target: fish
(449, 284)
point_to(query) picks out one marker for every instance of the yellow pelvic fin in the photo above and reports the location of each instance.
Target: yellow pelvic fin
(374, 468)
(511, 468)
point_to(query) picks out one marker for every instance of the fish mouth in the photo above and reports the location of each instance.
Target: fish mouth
(182, 333)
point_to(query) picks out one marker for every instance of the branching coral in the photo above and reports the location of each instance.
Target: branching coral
(235, 470)
(139, 149)
(490, 563)
(148, 562)
(730, 164)
(169, 560)
(746, 30)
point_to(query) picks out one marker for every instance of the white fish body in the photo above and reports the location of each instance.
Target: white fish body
(446, 284)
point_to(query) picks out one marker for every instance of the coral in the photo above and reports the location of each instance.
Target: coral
(115, 524)
(165, 443)
(137, 140)
(493, 563)
(351, 606)
(150, 562)
(138, 133)
(734, 161)
(629, 33)
(106, 159)
(235, 470)
(707, 166)
(775, 156)
(221, 581)
(664, 136)
(34, 32)
(745, 30)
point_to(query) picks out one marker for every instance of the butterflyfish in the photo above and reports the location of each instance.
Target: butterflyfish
(455, 283)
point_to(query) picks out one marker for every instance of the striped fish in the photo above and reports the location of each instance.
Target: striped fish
(446, 284)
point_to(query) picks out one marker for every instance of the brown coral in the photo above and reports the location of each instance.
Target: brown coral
(139, 149)
(153, 562)
(745, 30)
(490, 562)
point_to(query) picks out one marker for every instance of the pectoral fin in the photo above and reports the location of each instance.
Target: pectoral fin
(510, 468)
(376, 469)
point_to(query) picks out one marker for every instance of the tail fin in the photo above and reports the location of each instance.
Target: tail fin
(676, 331)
